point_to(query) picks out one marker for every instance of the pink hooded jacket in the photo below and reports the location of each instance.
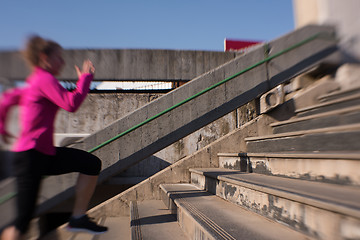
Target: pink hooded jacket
(39, 102)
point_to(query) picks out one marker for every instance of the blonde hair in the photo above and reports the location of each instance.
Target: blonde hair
(37, 45)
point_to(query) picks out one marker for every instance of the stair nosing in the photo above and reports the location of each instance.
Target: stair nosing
(135, 221)
(344, 99)
(346, 127)
(329, 113)
(302, 155)
(338, 92)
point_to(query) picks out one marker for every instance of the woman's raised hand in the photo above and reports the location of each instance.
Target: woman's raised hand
(87, 67)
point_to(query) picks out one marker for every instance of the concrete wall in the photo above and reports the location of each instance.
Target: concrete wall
(342, 14)
(125, 64)
(100, 110)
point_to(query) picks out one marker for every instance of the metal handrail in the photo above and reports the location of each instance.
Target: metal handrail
(267, 59)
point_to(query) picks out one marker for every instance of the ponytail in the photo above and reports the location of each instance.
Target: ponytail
(37, 45)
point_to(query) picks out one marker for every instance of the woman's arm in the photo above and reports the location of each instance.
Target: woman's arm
(70, 101)
(8, 99)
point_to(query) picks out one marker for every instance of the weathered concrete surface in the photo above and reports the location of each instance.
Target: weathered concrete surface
(338, 138)
(175, 173)
(100, 110)
(333, 105)
(164, 227)
(178, 172)
(316, 209)
(205, 216)
(349, 115)
(125, 64)
(320, 167)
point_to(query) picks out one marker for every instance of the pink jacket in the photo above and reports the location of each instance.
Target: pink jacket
(39, 102)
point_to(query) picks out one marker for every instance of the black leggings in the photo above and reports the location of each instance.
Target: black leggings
(29, 168)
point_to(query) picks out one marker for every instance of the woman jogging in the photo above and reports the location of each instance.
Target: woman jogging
(34, 153)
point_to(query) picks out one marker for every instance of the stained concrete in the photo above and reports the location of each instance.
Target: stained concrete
(125, 64)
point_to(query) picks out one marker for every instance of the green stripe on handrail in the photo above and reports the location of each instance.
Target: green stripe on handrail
(208, 89)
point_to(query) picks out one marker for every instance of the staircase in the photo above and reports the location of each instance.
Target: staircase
(296, 189)
(301, 182)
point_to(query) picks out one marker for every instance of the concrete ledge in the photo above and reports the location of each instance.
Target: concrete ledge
(129, 64)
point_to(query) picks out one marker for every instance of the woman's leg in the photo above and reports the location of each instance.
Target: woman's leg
(28, 180)
(84, 190)
(88, 166)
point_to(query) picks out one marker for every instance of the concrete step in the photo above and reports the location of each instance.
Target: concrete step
(203, 215)
(338, 94)
(320, 210)
(335, 104)
(340, 138)
(119, 228)
(349, 115)
(329, 167)
(151, 220)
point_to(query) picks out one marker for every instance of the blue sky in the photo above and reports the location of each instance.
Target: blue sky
(154, 24)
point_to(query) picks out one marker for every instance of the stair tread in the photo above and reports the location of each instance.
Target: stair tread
(344, 199)
(224, 218)
(339, 93)
(157, 222)
(328, 103)
(354, 155)
(118, 226)
(318, 115)
(345, 128)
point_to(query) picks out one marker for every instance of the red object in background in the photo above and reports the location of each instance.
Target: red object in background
(238, 45)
